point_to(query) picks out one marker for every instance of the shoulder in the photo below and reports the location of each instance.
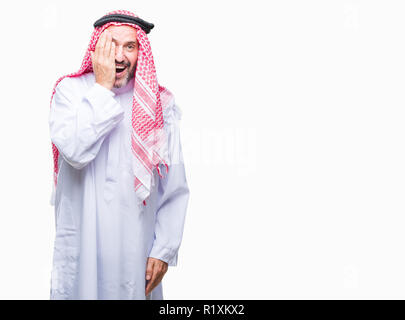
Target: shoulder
(73, 83)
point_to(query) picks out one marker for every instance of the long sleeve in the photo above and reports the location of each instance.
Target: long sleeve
(79, 122)
(173, 196)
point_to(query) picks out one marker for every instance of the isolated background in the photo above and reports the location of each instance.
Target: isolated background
(293, 137)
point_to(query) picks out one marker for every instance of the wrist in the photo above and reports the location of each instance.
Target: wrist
(105, 85)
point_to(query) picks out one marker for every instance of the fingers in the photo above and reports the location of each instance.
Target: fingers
(152, 283)
(159, 269)
(159, 278)
(156, 278)
(149, 269)
(104, 45)
(107, 45)
(150, 277)
(100, 45)
(112, 53)
(92, 59)
(103, 60)
(107, 48)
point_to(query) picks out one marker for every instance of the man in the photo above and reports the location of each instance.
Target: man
(115, 131)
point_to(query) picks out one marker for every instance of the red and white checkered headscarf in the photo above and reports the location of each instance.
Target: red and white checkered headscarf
(148, 139)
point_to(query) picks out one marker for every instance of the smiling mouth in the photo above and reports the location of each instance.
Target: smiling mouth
(120, 70)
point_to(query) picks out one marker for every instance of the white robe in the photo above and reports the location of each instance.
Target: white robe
(103, 237)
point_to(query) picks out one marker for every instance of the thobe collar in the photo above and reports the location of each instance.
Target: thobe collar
(126, 88)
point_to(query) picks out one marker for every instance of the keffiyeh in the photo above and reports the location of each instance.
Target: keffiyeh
(148, 139)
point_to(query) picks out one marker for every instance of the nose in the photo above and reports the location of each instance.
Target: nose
(119, 57)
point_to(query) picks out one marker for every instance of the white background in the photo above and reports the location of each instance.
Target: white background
(293, 137)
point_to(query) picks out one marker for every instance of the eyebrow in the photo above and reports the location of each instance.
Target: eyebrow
(128, 42)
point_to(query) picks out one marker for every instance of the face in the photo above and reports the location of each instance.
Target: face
(126, 53)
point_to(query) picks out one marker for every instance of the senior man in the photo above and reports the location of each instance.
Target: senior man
(120, 188)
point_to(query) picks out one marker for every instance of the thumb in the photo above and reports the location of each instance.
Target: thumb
(149, 269)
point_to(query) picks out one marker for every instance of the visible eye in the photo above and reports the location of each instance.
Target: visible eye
(131, 46)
